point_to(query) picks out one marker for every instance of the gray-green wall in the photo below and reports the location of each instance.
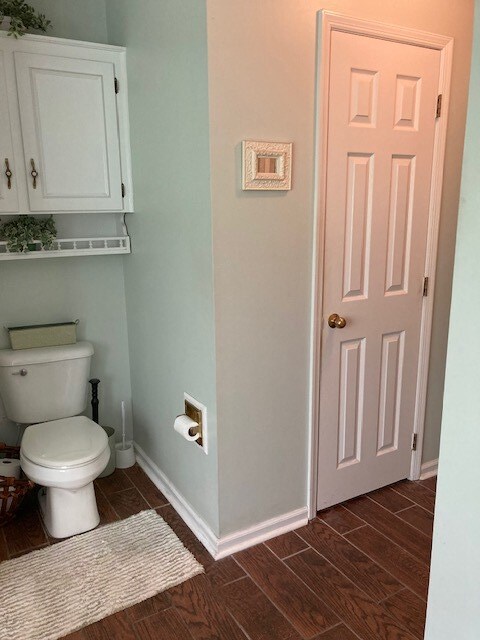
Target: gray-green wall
(169, 277)
(262, 86)
(76, 19)
(88, 288)
(453, 607)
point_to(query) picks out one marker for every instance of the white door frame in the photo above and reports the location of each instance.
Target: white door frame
(327, 23)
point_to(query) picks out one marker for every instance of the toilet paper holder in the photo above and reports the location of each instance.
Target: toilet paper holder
(195, 414)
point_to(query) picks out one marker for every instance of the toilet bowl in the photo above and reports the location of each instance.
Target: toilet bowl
(62, 451)
(65, 456)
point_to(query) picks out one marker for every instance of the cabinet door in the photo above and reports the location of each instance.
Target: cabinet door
(70, 133)
(8, 187)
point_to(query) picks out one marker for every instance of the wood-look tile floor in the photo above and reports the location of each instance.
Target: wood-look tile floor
(358, 570)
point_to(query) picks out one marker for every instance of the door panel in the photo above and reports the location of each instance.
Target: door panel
(8, 196)
(390, 391)
(70, 133)
(352, 376)
(358, 225)
(402, 179)
(381, 125)
(407, 103)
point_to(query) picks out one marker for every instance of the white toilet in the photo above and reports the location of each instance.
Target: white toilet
(64, 452)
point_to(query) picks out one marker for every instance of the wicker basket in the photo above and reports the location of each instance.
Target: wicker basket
(12, 490)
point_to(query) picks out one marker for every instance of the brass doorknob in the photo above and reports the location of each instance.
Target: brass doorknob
(336, 322)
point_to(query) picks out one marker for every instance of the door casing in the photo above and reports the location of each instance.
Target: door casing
(327, 22)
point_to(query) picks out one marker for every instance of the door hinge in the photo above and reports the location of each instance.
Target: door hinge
(439, 106)
(414, 441)
(116, 85)
(123, 190)
(425, 286)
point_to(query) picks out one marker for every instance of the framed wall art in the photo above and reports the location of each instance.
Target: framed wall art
(267, 166)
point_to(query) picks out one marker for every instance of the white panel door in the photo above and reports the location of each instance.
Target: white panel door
(8, 172)
(70, 133)
(382, 109)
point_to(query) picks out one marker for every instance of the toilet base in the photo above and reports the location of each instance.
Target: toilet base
(68, 512)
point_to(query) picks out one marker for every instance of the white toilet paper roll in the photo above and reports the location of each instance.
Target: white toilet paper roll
(10, 467)
(183, 424)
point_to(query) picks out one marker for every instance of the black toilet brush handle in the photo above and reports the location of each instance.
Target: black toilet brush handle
(95, 382)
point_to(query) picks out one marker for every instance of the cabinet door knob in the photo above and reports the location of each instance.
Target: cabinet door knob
(8, 173)
(33, 173)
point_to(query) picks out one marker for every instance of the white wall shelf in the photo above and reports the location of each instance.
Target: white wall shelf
(68, 247)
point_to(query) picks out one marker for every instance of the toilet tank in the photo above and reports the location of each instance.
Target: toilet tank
(43, 384)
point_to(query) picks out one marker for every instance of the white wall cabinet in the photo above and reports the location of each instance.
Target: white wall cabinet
(70, 134)
(8, 186)
(63, 127)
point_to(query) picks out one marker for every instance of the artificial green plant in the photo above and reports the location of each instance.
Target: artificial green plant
(22, 233)
(23, 17)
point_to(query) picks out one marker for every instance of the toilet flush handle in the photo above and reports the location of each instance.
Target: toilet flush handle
(22, 372)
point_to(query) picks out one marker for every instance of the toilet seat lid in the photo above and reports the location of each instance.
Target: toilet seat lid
(70, 442)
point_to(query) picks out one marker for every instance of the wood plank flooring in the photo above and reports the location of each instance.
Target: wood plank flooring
(357, 571)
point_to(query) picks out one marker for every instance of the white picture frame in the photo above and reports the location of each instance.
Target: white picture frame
(267, 166)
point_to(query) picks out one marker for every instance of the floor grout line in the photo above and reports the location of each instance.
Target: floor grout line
(427, 511)
(115, 493)
(404, 588)
(242, 630)
(399, 545)
(240, 626)
(378, 563)
(345, 625)
(407, 508)
(418, 529)
(412, 500)
(134, 622)
(345, 532)
(284, 615)
(296, 553)
(247, 575)
(392, 618)
(401, 519)
(225, 584)
(365, 554)
(122, 491)
(335, 626)
(420, 484)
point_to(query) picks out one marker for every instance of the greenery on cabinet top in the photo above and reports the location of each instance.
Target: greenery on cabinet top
(18, 17)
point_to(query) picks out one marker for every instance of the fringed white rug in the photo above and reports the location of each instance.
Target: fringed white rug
(51, 592)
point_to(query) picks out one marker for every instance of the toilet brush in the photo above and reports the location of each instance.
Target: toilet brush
(123, 426)
(125, 450)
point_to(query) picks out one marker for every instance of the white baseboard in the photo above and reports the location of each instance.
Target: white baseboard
(260, 532)
(429, 469)
(226, 545)
(184, 509)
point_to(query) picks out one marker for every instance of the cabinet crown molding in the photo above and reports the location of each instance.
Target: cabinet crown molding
(30, 37)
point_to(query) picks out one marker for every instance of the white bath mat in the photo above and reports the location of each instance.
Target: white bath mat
(51, 592)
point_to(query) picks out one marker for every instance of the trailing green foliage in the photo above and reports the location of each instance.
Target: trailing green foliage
(23, 17)
(27, 230)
